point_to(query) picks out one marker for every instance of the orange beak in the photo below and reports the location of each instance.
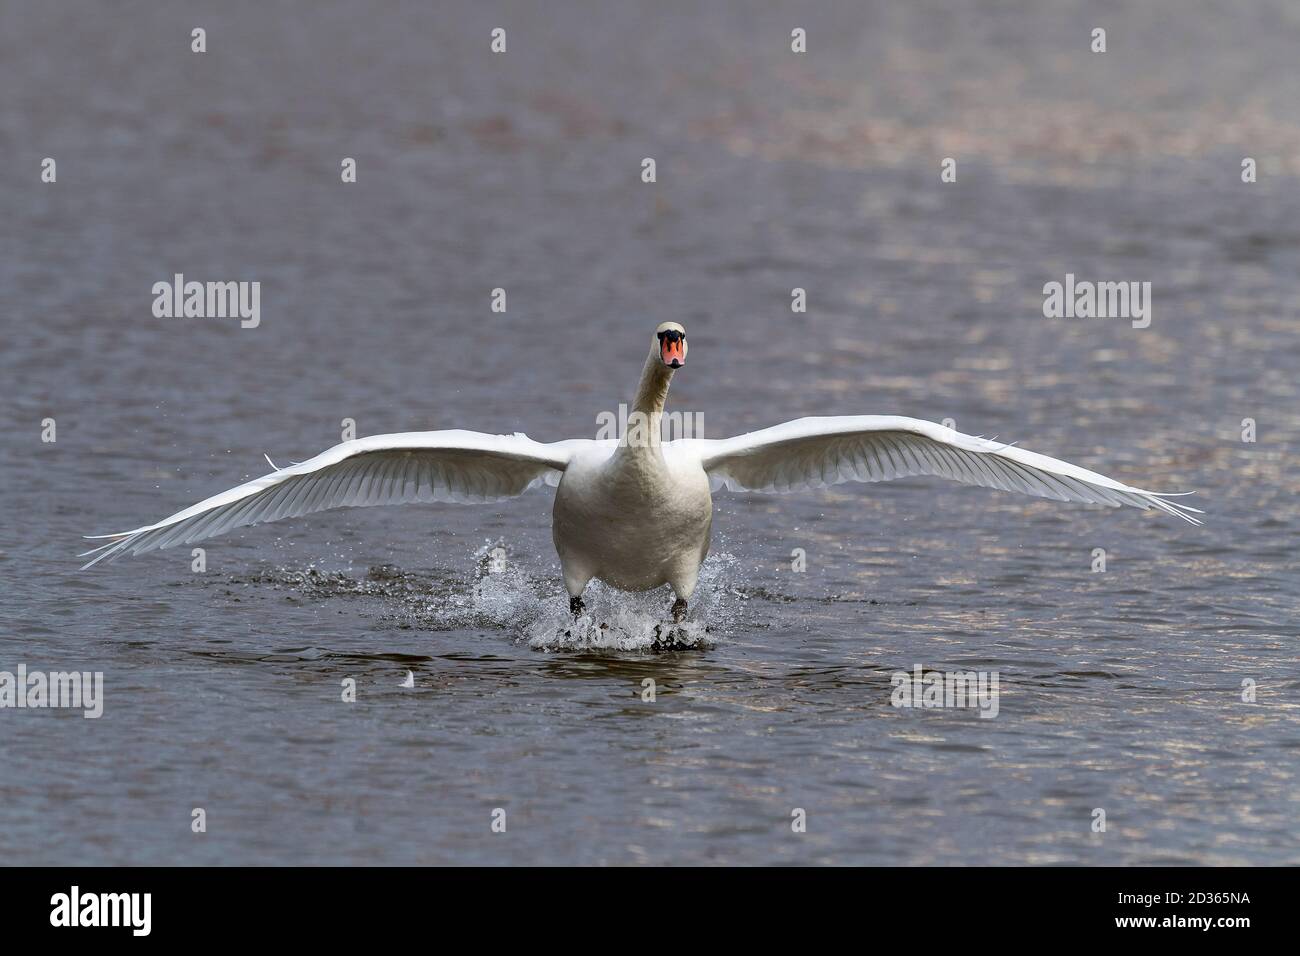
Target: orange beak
(672, 353)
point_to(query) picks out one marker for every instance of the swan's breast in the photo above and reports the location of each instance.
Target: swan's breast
(632, 523)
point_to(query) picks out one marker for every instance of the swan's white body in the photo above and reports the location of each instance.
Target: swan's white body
(634, 517)
(635, 512)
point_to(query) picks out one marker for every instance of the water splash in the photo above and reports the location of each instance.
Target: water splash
(537, 611)
(532, 605)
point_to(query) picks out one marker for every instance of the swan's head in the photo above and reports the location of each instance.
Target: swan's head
(672, 344)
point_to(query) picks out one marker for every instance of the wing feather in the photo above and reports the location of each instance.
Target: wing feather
(817, 452)
(381, 470)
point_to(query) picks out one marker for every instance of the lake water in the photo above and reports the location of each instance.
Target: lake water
(1119, 690)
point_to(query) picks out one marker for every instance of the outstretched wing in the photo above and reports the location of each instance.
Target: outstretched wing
(395, 469)
(817, 452)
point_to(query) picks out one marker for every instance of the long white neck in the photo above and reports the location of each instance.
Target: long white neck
(645, 420)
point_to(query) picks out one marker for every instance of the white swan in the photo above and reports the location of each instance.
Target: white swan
(634, 512)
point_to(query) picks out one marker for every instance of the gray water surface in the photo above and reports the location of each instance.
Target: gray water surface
(1120, 690)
